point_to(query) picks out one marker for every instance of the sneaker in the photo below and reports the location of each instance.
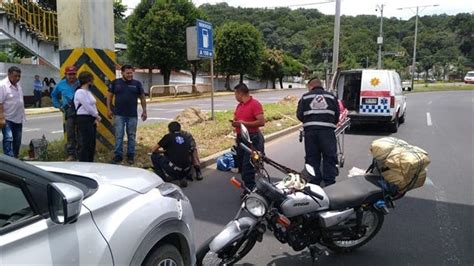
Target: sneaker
(183, 183)
(199, 176)
(130, 161)
(70, 158)
(116, 160)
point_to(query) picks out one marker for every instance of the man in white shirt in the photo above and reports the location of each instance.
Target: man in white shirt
(11, 99)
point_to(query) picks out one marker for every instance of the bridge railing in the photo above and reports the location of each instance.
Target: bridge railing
(179, 88)
(38, 20)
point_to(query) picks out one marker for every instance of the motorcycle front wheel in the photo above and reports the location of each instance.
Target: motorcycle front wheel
(372, 220)
(205, 256)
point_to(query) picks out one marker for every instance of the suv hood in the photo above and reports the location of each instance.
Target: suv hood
(137, 179)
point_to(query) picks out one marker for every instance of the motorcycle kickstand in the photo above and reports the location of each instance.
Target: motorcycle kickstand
(316, 251)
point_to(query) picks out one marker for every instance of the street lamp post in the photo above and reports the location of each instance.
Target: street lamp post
(413, 64)
(335, 47)
(380, 38)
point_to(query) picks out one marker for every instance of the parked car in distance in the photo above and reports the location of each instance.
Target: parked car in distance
(469, 78)
(406, 85)
(72, 213)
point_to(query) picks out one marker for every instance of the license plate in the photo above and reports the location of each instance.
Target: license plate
(369, 100)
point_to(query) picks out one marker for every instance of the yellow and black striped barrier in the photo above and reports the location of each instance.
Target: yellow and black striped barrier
(101, 63)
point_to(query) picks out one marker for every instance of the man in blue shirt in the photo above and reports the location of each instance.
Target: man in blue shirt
(62, 97)
(37, 90)
(127, 91)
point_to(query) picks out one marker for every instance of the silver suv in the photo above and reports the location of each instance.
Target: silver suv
(72, 213)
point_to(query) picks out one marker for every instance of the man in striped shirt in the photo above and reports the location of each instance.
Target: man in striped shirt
(319, 112)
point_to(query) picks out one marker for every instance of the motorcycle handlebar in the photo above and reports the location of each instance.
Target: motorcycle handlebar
(312, 193)
(246, 148)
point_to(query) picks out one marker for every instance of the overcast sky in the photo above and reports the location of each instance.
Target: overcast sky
(353, 7)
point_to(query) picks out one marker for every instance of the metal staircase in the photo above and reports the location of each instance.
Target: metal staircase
(33, 27)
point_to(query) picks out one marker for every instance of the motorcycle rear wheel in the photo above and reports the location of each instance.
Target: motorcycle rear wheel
(373, 221)
(205, 256)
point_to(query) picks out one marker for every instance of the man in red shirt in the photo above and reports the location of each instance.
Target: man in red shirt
(248, 112)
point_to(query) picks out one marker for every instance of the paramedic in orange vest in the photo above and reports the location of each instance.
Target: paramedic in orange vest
(319, 112)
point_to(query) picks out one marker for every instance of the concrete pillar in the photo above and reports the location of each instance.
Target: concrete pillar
(86, 40)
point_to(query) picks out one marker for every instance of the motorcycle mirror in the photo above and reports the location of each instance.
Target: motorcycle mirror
(245, 133)
(310, 169)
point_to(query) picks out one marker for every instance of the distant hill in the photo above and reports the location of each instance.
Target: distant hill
(307, 34)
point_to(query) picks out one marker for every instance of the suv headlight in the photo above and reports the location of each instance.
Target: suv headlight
(256, 205)
(172, 191)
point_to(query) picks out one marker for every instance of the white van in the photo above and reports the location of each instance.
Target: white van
(372, 96)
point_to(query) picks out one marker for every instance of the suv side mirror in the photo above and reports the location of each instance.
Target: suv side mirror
(64, 201)
(245, 133)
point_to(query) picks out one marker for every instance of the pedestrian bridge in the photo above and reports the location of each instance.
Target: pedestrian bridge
(32, 26)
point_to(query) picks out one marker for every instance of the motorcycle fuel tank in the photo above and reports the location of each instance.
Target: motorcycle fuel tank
(299, 203)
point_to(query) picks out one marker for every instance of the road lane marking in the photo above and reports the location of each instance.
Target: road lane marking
(428, 119)
(57, 131)
(159, 118)
(445, 223)
(31, 129)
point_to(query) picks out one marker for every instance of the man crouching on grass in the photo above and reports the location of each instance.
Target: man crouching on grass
(172, 157)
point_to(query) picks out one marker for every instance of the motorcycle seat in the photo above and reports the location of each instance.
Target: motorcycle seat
(354, 191)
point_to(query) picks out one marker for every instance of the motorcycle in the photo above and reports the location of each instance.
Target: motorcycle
(338, 218)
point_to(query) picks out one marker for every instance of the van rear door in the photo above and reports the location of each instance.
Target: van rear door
(375, 96)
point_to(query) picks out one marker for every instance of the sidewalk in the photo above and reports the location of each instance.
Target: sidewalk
(158, 99)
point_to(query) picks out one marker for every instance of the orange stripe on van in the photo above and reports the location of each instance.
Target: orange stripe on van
(375, 93)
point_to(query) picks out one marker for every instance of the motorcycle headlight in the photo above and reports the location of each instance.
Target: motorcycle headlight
(256, 205)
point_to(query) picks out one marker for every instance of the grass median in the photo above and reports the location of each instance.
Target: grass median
(442, 87)
(211, 136)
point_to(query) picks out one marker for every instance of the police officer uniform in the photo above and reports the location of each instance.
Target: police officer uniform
(319, 112)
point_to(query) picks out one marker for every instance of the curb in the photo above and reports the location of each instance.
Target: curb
(211, 159)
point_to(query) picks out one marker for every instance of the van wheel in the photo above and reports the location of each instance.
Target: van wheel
(402, 118)
(164, 255)
(393, 126)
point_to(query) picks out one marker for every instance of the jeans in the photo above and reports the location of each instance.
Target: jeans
(12, 138)
(130, 124)
(37, 95)
(72, 135)
(321, 144)
(247, 171)
(87, 130)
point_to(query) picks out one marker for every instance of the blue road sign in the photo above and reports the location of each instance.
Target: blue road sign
(204, 39)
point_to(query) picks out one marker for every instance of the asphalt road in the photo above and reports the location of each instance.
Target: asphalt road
(432, 225)
(51, 124)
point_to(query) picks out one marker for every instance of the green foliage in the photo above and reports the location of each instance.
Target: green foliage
(157, 34)
(4, 57)
(307, 35)
(119, 9)
(18, 51)
(239, 48)
(272, 65)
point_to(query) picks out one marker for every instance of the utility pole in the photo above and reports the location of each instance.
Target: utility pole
(413, 64)
(380, 38)
(335, 47)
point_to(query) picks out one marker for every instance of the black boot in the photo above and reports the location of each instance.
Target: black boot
(197, 168)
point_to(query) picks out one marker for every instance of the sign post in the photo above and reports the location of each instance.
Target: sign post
(200, 46)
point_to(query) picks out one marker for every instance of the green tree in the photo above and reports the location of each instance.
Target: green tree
(156, 34)
(119, 9)
(239, 49)
(291, 67)
(272, 65)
